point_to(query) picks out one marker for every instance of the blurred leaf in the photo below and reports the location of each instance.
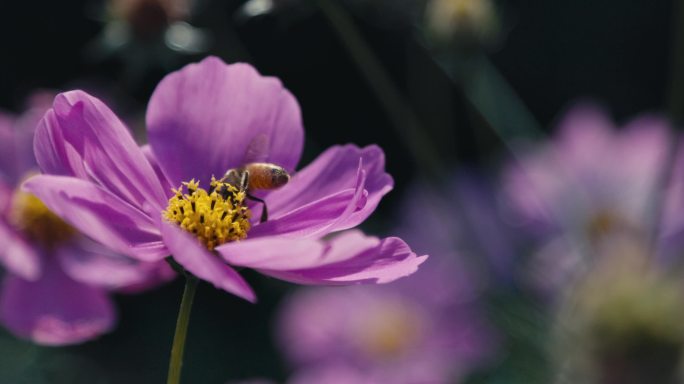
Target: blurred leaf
(525, 328)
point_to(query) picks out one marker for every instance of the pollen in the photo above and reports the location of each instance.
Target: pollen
(31, 217)
(215, 217)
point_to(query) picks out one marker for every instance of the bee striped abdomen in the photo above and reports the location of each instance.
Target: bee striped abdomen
(266, 176)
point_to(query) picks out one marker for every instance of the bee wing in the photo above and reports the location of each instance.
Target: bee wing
(257, 150)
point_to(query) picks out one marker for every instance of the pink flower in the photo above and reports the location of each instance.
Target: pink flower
(593, 183)
(428, 328)
(56, 290)
(203, 120)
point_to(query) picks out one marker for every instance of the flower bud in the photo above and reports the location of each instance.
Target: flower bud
(464, 23)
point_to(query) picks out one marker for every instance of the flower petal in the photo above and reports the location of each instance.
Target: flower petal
(333, 171)
(312, 220)
(209, 117)
(349, 258)
(55, 310)
(147, 151)
(8, 159)
(317, 219)
(91, 263)
(100, 215)
(16, 144)
(6, 194)
(17, 255)
(80, 136)
(331, 372)
(188, 252)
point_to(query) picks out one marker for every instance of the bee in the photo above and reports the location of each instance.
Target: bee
(255, 175)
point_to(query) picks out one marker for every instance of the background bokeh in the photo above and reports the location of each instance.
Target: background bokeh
(617, 52)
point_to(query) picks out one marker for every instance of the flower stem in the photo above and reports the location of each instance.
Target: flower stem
(676, 91)
(176, 361)
(398, 110)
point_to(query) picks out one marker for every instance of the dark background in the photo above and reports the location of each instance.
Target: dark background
(552, 53)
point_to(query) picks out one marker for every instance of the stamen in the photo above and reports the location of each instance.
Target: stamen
(215, 217)
(30, 216)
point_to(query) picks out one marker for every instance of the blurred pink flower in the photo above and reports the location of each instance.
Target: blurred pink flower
(56, 287)
(593, 182)
(427, 328)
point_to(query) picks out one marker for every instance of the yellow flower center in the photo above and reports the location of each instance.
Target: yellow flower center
(215, 217)
(30, 216)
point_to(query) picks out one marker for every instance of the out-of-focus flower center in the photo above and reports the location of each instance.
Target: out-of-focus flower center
(30, 216)
(390, 332)
(624, 319)
(215, 217)
(603, 223)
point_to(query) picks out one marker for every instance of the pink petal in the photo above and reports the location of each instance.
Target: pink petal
(17, 255)
(100, 214)
(333, 171)
(208, 117)
(90, 263)
(8, 159)
(189, 253)
(55, 310)
(329, 214)
(16, 144)
(81, 137)
(147, 151)
(585, 130)
(349, 258)
(6, 193)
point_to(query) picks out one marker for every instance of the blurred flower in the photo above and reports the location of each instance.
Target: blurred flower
(463, 23)
(147, 35)
(385, 335)
(428, 328)
(464, 221)
(147, 18)
(203, 120)
(252, 381)
(55, 289)
(254, 8)
(589, 184)
(622, 324)
(334, 373)
(154, 21)
(385, 12)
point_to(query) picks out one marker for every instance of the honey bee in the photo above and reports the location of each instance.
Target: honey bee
(254, 175)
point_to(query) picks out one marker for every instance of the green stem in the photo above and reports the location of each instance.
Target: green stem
(397, 109)
(676, 91)
(176, 362)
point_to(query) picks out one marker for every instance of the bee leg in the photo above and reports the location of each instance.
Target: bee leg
(244, 180)
(264, 211)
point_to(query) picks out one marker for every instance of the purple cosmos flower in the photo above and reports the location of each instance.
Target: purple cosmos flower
(56, 288)
(201, 121)
(428, 328)
(386, 334)
(465, 221)
(591, 183)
